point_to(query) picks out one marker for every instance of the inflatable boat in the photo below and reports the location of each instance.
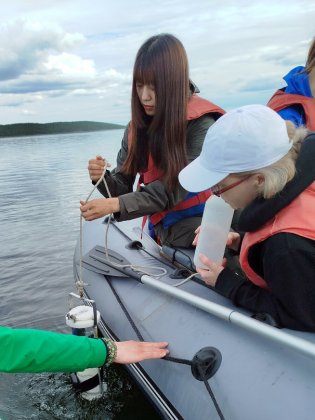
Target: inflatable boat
(223, 362)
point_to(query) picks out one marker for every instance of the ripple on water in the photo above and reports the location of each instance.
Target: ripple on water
(39, 225)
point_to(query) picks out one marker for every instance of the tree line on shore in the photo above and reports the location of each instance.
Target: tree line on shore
(31, 129)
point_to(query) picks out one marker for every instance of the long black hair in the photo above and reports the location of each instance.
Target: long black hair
(162, 62)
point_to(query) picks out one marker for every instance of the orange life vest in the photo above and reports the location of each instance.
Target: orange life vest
(197, 107)
(281, 100)
(297, 217)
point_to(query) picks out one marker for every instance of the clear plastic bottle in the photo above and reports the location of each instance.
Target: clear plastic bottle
(215, 226)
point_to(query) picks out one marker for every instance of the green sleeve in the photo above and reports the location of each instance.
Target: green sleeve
(27, 350)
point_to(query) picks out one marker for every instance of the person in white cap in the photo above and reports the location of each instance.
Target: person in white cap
(255, 160)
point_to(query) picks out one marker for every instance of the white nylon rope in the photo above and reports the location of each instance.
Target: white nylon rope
(185, 280)
(136, 229)
(138, 268)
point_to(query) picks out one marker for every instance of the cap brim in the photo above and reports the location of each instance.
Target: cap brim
(195, 177)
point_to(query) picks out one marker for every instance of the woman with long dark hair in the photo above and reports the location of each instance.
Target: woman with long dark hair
(167, 130)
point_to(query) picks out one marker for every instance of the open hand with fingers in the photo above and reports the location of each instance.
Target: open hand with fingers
(135, 351)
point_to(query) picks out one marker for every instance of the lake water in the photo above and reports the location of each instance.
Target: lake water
(42, 180)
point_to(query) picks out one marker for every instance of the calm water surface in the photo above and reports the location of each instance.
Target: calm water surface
(42, 180)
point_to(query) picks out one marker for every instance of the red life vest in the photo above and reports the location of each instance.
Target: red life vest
(281, 100)
(197, 107)
(297, 217)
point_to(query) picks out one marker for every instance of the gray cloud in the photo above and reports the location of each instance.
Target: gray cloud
(258, 85)
(25, 46)
(238, 51)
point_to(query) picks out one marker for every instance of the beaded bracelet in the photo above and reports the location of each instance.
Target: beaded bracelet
(111, 351)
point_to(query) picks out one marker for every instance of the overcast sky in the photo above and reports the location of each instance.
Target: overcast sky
(70, 60)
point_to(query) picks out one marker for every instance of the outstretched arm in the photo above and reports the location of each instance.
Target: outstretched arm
(28, 350)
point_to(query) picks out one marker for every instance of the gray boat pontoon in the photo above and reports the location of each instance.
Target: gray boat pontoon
(222, 362)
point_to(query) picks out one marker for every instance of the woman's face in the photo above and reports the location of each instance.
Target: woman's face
(243, 193)
(146, 94)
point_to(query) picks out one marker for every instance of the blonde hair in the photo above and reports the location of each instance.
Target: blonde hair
(277, 175)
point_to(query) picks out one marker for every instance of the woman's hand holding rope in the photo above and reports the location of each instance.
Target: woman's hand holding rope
(99, 207)
(96, 167)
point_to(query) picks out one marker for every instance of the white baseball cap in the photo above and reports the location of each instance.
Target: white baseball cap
(244, 139)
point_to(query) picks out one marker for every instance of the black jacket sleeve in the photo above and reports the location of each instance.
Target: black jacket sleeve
(288, 265)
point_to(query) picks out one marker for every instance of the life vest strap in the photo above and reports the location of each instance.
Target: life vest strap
(183, 205)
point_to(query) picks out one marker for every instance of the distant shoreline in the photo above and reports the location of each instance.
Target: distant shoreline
(33, 129)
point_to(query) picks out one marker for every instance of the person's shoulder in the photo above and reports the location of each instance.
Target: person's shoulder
(197, 129)
(296, 70)
(298, 82)
(286, 242)
(128, 126)
(126, 132)
(204, 121)
(308, 145)
(294, 73)
(310, 139)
